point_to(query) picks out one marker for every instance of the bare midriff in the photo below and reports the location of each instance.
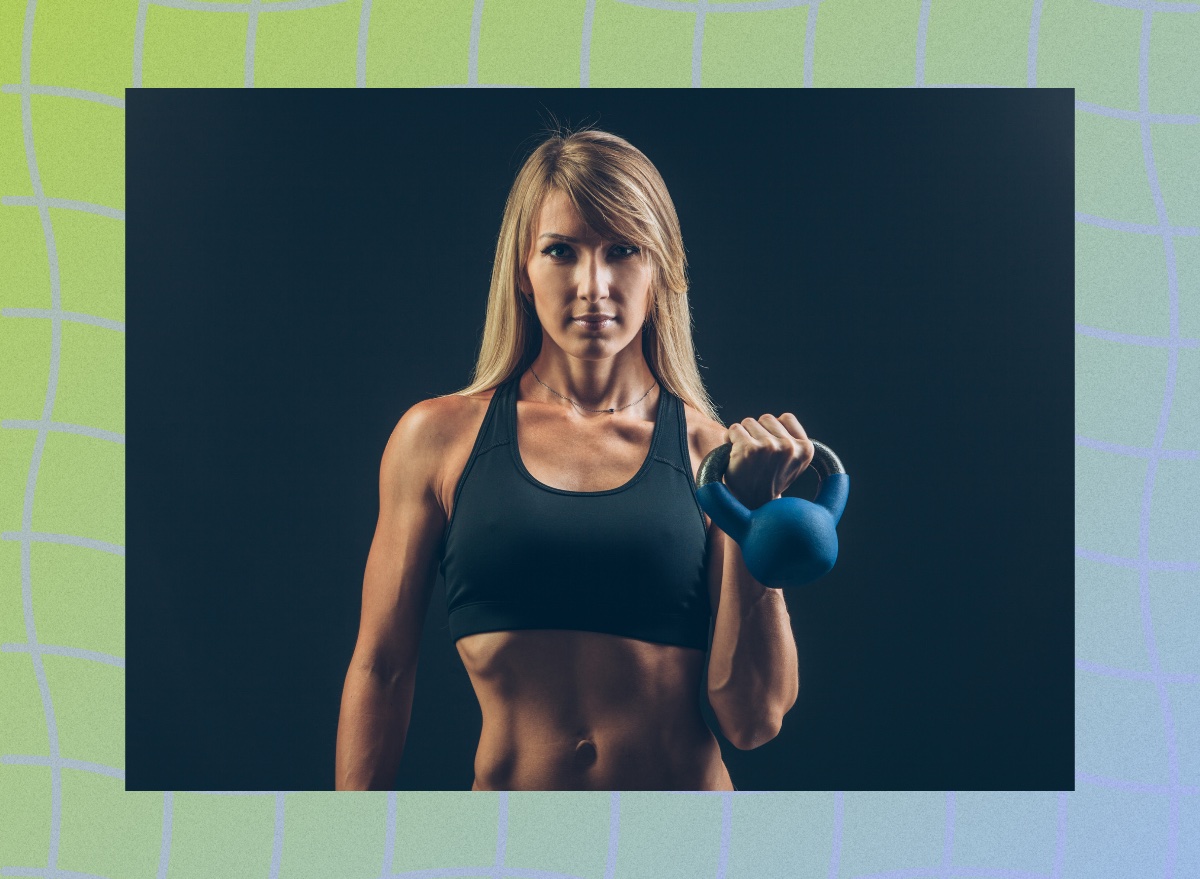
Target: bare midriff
(567, 710)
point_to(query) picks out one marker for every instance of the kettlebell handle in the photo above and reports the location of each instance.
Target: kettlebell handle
(712, 469)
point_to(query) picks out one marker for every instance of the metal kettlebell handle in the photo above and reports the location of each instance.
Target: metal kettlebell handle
(712, 469)
(787, 541)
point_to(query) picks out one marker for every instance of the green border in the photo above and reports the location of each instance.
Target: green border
(64, 66)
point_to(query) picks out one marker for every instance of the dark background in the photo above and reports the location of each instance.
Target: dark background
(894, 266)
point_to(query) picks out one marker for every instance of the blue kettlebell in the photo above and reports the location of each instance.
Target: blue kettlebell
(787, 541)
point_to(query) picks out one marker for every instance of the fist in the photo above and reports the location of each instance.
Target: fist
(768, 454)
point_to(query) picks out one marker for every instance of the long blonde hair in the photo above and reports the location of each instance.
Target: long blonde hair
(621, 196)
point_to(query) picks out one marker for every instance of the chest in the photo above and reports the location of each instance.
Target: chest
(597, 455)
(594, 456)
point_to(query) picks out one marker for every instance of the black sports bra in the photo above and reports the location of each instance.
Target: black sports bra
(629, 561)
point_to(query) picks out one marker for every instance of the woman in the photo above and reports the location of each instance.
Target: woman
(557, 494)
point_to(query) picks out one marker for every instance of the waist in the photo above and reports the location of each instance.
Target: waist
(585, 711)
(612, 758)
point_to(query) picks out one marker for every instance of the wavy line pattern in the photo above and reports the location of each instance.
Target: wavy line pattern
(1175, 701)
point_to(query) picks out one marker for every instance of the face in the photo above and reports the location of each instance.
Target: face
(573, 273)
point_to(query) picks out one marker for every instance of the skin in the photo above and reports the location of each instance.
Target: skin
(567, 709)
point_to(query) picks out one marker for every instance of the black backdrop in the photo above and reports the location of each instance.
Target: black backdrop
(894, 266)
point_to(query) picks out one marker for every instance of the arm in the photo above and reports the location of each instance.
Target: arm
(400, 573)
(753, 670)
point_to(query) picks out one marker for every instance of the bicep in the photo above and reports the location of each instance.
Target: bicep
(402, 563)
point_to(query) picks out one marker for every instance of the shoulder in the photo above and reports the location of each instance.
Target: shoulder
(440, 419)
(430, 428)
(432, 441)
(704, 433)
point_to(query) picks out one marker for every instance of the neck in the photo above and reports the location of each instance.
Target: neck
(592, 385)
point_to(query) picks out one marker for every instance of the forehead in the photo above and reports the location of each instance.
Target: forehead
(559, 215)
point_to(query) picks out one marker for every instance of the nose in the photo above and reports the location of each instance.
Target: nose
(594, 278)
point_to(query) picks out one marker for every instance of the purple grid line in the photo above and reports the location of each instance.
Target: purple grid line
(251, 6)
(39, 200)
(835, 850)
(64, 427)
(27, 537)
(585, 46)
(1129, 339)
(1035, 26)
(1135, 564)
(1137, 115)
(473, 52)
(501, 834)
(614, 833)
(695, 5)
(1137, 228)
(72, 652)
(810, 42)
(960, 873)
(1136, 787)
(922, 32)
(1133, 451)
(139, 42)
(58, 763)
(277, 845)
(62, 92)
(48, 873)
(364, 28)
(1151, 6)
(473, 872)
(389, 835)
(948, 839)
(726, 833)
(1060, 834)
(164, 851)
(73, 316)
(54, 759)
(1150, 642)
(251, 44)
(1128, 674)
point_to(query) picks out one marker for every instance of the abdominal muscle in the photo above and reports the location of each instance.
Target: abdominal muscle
(566, 710)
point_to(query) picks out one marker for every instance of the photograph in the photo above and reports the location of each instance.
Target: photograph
(606, 439)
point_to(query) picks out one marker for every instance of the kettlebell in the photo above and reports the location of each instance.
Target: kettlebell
(787, 541)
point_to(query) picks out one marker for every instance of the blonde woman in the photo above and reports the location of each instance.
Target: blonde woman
(556, 493)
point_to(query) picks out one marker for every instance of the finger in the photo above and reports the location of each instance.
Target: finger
(738, 435)
(772, 426)
(793, 434)
(789, 421)
(760, 434)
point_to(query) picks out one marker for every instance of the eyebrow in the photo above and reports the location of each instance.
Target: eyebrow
(557, 237)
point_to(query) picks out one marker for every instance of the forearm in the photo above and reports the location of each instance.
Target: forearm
(372, 727)
(753, 671)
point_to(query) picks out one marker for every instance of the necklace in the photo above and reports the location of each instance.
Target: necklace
(584, 408)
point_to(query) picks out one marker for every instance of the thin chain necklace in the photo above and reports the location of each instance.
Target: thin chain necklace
(584, 408)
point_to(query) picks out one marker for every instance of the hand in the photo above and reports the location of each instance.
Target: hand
(768, 455)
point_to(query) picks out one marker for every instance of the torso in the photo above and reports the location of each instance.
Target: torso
(572, 709)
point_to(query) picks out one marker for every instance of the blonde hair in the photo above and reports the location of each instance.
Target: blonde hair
(621, 196)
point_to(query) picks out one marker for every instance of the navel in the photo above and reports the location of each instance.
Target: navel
(585, 753)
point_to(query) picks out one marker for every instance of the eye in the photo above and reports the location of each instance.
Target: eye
(626, 250)
(552, 250)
